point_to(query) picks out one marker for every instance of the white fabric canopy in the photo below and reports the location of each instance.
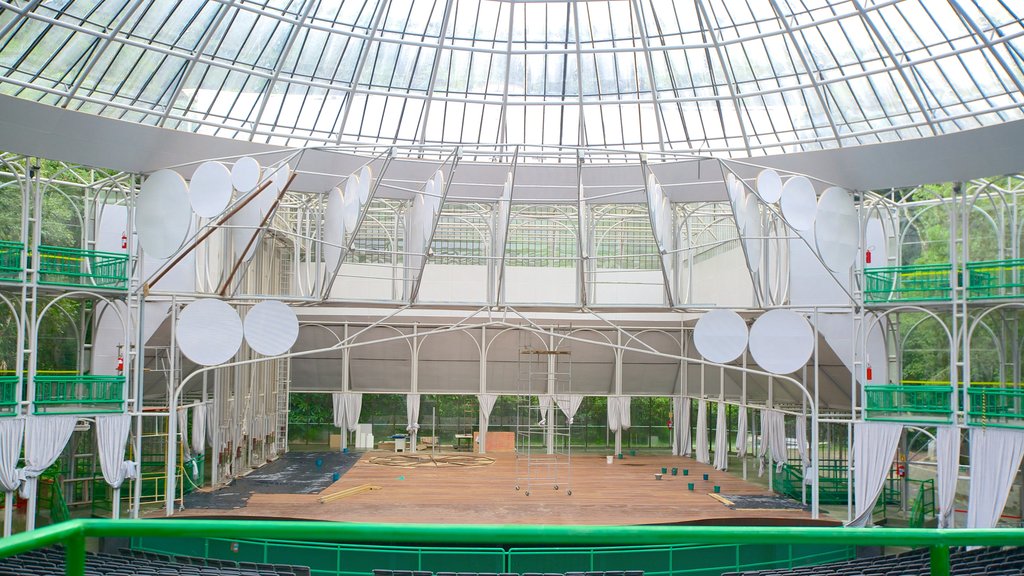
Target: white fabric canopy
(742, 446)
(947, 460)
(618, 413)
(680, 426)
(874, 447)
(45, 438)
(995, 458)
(486, 405)
(347, 406)
(703, 450)
(199, 429)
(412, 413)
(111, 437)
(12, 431)
(547, 404)
(569, 404)
(773, 440)
(722, 439)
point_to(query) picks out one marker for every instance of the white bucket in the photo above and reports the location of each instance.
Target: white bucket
(610, 459)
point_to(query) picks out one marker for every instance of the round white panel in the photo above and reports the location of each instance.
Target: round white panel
(365, 183)
(752, 232)
(244, 224)
(439, 184)
(769, 185)
(271, 328)
(781, 341)
(875, 241)
(209, 332)
(334, 230)
(162, 213)
(350, 205)
(245, 174)
(278, 180)
(835, 229)
(799, 203)
(426, 214)
(720, 336)
(212, 250)
(210, 189)
(733, 188)
(666, 221)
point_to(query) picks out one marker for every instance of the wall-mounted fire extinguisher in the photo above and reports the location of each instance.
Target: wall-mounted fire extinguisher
(124, 240)
(867, 256)
(868, 372)
(120, 363)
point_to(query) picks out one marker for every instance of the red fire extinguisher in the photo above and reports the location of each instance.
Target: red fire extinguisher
(124, 240)
(869, 372)
(867, 256)
(120, 363)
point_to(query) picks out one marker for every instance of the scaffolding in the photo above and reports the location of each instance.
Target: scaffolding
(543, 432)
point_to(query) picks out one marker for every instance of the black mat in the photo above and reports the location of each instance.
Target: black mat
(293, 473)
(763, 503)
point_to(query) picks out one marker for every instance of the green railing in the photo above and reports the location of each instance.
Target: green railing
(73, 534)
(999, 407)
(923, 506)
(10, 261)
(53, 497)
(74, 267)
(908, 403)
(73, 394)
(907, 283)
(8, 395)
(833, 483)
(995, 279)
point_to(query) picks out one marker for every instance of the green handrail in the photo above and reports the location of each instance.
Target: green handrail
(11, 259)
(908, 403)
(997, 407)
(8, 394)
(924, 502)
(57, 394)
(995, 279)
(74, 532)
(60, 266)
(907, 283)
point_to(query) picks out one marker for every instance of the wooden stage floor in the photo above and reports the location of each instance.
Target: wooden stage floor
(622, 493)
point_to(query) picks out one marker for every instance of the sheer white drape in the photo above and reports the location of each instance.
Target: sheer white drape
(618, 413)
(211, 426)
(547, 404)
(995, 458)
(186, 449)
(680, 430)
(947, 460)
(111, 438)
(45, 438)
(874, 447)
(412, 413)
(486, 405)
(703, 450)
(773, 440)
(685, 440)
(569, 404)
(347, 406)
(722, 439)
(802, 446)
(11, 434)
(742, 446)
(199, 429)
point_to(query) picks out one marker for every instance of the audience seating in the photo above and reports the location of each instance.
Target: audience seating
(963, 562)
(50, 562)
(418, 573)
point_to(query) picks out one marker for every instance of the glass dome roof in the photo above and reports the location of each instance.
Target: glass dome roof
(725, 77)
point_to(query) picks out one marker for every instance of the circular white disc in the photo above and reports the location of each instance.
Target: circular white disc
(271, 328)
(350, 205)
(875, 241)
(334, 230)
(245, 174)
(162, 213)
(210, 189)
(720, 336)
(732, 187)
(752, 232)
(365, 183)
(799, 203)
(439, 184)
(781, 341)
(427, 219)
(244, 224)
(835, 229)
(769, 186)
(209, 332)
(213, 249)
(279, 178)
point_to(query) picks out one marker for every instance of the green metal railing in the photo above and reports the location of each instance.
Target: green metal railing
(999, 407)
(72, 535)
(51, 494)
(908, 403)
(10, 260)
(74, 394)
(907, 283)
(995, 279)
(73, 267)
(833, 482)
(923, 506)
(8, 395)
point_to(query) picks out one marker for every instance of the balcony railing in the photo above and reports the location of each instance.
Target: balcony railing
(79, 394)
(8, 395)
(921, 282)
(908, 403)
(999, 407)
(74, 267)
(11, 268)
(995, 279)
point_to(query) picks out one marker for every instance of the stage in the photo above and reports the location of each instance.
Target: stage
(461, 489)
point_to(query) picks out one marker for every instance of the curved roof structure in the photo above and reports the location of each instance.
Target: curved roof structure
(723, 77)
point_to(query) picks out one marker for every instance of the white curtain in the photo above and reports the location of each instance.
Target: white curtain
(199, 429)
(347, 406)
(45, 438)
(618, 413)
(186, 452)
(486, 405)
(947, 460)
(742, 446)
(874, 447)
(802, 445)
(773, 440)
(211, 424)
(111, 437)
(547, 403)
(569, 404)
(412, 413)
(995, 457)
(12, 430)
(680, 426)
(703, 450)
(722, 439)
